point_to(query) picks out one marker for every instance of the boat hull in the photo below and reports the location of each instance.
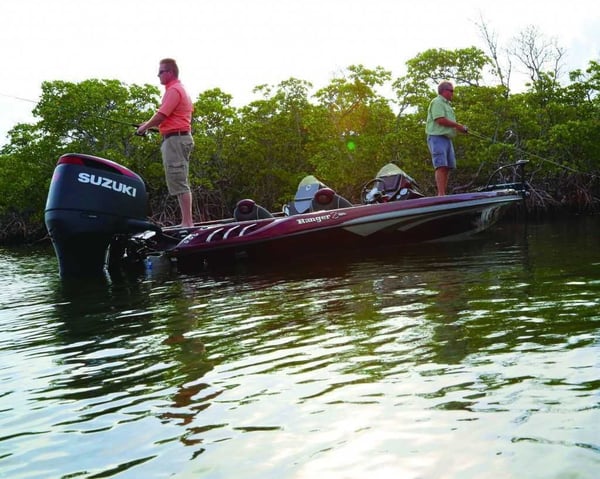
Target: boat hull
(419, 220)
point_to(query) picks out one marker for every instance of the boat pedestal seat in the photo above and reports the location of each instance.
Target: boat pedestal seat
(248, 210)
(327, 199)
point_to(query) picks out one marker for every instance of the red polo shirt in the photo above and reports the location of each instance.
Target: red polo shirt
(177, 107)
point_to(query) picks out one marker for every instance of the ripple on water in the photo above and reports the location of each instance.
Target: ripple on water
(432, 362)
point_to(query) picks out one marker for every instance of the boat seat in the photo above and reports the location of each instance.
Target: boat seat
(248, 210)
(301, 204)
(327, 199)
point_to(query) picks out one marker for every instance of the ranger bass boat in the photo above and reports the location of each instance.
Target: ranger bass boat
(96, 215)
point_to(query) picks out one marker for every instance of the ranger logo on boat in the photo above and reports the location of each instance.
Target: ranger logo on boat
(107, 183)
(319, 219)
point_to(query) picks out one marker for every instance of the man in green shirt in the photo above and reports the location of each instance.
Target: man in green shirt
(441, 127)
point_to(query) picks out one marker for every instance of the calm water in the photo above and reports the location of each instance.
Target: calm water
(471, 360)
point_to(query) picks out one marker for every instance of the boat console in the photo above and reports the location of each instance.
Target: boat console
(390, 184)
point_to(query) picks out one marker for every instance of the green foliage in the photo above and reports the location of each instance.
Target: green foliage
(343, 134)
(266, 155)
(350, 127)
(464, 67)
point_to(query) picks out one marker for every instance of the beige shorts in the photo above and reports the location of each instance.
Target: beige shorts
(176, 152)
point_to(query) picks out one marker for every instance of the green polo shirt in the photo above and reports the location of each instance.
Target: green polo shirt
(440, 107)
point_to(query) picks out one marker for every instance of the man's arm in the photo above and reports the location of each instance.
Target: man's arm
(156, 120)
(443, 121)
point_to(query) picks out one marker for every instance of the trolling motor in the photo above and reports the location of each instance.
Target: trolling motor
(518, 184)
(91, 200)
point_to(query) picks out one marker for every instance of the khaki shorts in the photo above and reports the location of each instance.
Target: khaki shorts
(176, 152)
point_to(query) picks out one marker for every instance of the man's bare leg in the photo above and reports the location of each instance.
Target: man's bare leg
(441, 179)
(185, 205)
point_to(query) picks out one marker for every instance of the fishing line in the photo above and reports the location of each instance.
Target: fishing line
(18, 98)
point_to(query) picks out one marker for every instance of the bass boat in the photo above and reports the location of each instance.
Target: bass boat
(96, 216)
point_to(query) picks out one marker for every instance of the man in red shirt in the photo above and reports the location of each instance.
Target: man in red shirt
(174, 120)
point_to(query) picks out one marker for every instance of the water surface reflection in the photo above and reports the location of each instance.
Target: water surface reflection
(476, 359)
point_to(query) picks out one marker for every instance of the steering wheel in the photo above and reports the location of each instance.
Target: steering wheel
(369, 186)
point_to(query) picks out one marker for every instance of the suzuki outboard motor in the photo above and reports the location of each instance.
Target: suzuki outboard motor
(90, 200)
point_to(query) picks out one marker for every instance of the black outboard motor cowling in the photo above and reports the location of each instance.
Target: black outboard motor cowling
(90, 200)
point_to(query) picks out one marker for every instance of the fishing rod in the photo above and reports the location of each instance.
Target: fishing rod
(511, 134)
(89, 115)
(120, 122)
